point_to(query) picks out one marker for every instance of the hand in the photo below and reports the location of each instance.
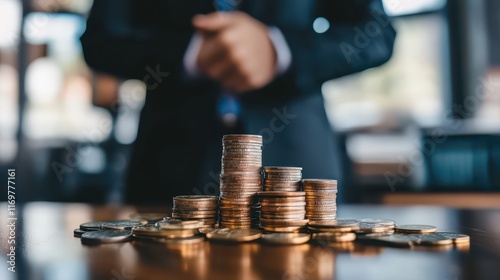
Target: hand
(236, 51)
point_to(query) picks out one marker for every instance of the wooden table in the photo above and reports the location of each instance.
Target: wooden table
(46, 249)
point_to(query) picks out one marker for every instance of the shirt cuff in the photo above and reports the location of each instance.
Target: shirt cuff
(283, 54)
(191, 55)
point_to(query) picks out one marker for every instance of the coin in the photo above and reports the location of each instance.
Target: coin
(430, 239)
(394, 240)
(285, 204)
(415, 229)
(195, 198)
(283, 222)
(280, 194)
(331, 229)
(283, 199)
(316, 217)
(78, 232)
(329, 237)
(156, 231)
(455, 237)
(286, 238)
(285, 215)
(106, 236)
(147, 216)
(319, 182)
(338, 223)
(122, 225)
(384, 222)
(182, 241)
(234, 235)
(192, 224)
(281, 229)
(91, 226)
(373, 228)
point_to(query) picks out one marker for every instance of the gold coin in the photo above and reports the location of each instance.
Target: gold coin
(286, 238)
(286, 204)
(334, 237)
(283, 222)
(328, 216)
(234, 235)
(281, 229)
(178, 224)
(285, 215)
(326, 229)
(279, 209)
(415, 229)
(191, 216)
(281, 168)
(283, 199)
(338, 223)
(319, 182)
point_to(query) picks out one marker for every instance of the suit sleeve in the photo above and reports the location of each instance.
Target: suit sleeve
(125, 37)
(359, 38)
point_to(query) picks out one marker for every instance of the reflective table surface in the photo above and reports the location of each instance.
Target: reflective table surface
(46, 249)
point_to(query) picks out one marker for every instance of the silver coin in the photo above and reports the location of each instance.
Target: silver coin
(106, 236)
(430, 239)
(383, 222)
(78, 232)
(455, 237)
(395, 240)
(415, 229)
(122, 225)
(91, 226)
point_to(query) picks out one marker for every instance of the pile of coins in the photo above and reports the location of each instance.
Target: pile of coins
(240, 180)
(321, 199)
(203, 208)
(170, 231)
(282, 178)
(282, 211)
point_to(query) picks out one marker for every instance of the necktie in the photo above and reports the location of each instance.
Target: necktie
(228, 106)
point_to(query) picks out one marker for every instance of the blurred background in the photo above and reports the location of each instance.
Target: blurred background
(422, 129)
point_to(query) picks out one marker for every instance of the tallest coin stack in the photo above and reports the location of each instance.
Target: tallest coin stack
(240, 180)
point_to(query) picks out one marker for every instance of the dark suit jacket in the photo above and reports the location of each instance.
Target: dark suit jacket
(178, 147)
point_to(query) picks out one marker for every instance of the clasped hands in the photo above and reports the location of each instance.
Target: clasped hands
(236, 51)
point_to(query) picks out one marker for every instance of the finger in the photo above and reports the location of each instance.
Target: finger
(211, 53)
(222, 70)
(213, 22)
(236, 83)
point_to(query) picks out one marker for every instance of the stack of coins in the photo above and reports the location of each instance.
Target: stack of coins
(321, 198)
(170, 231)
(282, 211)
(202, 208)
(282, 178)
(240, 180)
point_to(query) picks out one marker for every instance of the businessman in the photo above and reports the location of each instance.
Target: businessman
(231, 66)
